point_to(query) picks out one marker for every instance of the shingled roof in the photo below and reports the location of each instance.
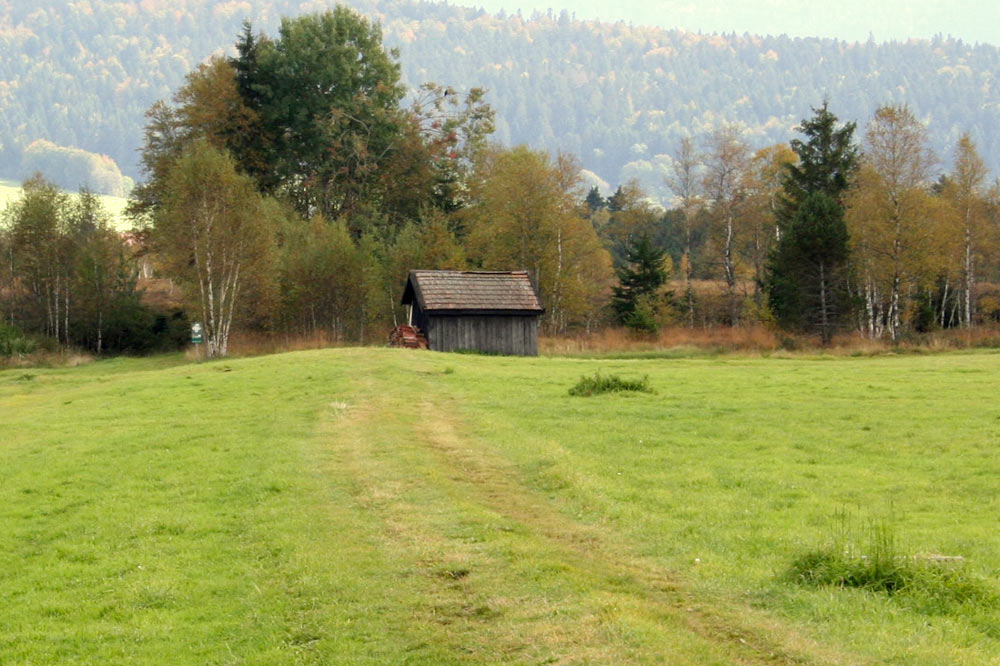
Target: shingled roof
(452, 292)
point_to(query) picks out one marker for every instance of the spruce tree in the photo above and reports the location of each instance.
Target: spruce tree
(827, 159)
(806, 279)
(635, 300)
(618, 201)
(594, 199)
(807, 286)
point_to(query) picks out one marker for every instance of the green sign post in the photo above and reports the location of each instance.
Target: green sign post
(197, 332)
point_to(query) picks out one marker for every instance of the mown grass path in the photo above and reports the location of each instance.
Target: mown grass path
(381, 507)
(497, 570)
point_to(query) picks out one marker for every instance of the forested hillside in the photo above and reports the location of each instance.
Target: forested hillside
(81, 74)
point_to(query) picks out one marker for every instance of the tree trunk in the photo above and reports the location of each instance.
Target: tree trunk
(894, 318)
(557, 286)
(730, 271)
(944, 302)
(895, 321)
(66, 314)
(688, 270)
(13, 291)
(969, 276)
(824, 315)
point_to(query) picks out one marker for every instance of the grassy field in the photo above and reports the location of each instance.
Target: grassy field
(11, 190)
(375, 506)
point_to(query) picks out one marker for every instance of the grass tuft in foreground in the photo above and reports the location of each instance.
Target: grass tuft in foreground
(870, 558)
(589, 386)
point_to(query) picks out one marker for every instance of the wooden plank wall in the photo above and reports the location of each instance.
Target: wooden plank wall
(501, 334)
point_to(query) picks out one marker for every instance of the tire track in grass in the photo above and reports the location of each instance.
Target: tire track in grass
(655, 595)
(494, 573)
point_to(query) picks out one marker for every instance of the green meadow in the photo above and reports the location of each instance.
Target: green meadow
(11, 191)
(379, 506)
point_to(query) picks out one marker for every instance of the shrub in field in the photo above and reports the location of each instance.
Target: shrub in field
(599, 383)
(870, 559)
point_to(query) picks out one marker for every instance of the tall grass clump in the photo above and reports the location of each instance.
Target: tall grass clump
(871, 558)
(588, 386)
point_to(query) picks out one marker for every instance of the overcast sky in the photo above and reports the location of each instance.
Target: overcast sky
(851, 20)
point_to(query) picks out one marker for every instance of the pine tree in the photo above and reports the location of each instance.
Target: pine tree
(827, 160)
(594, 199)
(618, 200)
(807, 288)
(253, 149)
(216, 235)
(806, 278)
(636, 300)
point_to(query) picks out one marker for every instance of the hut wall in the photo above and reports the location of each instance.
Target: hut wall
(419, 318)
(501, 334)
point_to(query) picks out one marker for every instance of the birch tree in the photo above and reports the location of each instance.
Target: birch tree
(525, 217)
(683, 181)
(37, 249)
(965, 190)
(726, 162)
(104, 276)
(763, 185)
(215, 234)
(7, 301)
(892, 217)
(320, 286)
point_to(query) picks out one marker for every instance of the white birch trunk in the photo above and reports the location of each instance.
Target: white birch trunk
(730, 270)
(944, 303)
(969, 276)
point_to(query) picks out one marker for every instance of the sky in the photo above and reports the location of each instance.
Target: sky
(851, 20)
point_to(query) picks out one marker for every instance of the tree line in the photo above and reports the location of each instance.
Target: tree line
(291, 187)
(832, 233)
(67, 277)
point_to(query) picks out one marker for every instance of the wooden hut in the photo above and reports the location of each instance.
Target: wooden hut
(494, 312)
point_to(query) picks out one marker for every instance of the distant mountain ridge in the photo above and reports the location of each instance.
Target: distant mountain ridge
(82, 73)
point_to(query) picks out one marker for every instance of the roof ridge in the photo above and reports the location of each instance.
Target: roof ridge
(455, 271)
(448, 290)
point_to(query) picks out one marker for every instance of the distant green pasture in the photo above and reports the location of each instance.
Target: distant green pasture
(10, 191)
(378, 506)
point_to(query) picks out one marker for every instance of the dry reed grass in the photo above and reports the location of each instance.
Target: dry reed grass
(677, 340)
(260, 344)
(47, 359)
(755, 339)
(761, 340)
(709, 288)
(618, 340)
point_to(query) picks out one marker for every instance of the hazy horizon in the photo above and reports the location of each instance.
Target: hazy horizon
(849, 20)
